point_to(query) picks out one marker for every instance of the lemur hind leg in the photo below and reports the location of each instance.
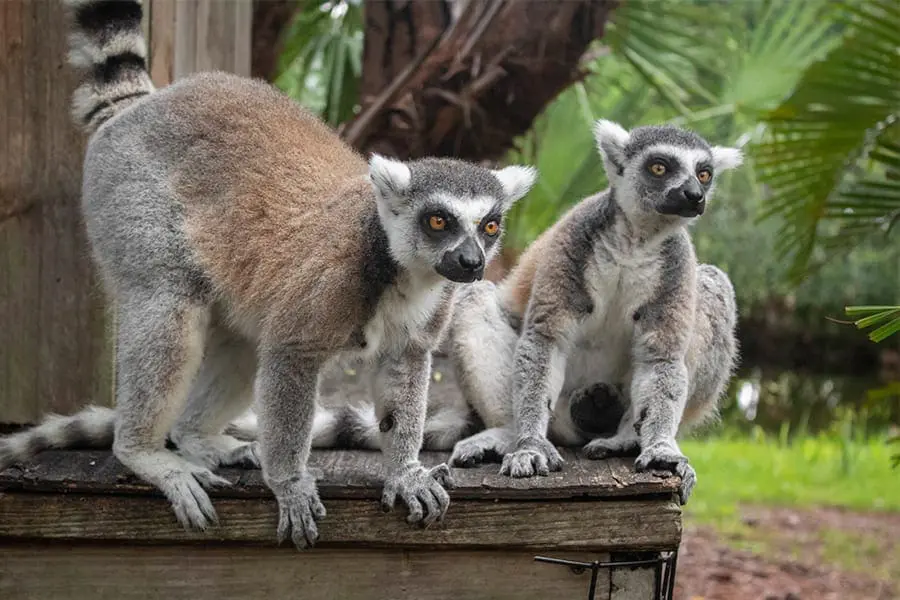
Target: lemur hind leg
(489, 445)
(222, 391)
(159, 348)
(482, 346)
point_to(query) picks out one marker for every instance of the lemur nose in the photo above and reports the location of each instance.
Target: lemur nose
(471, 262)
(693, 195)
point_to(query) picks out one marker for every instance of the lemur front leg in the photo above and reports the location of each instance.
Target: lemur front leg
(286, 387)
(538, 374)
(400, 389)
(659, 391)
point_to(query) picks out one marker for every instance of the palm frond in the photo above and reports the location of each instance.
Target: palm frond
(829, 145)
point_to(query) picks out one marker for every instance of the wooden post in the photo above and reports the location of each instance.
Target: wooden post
(198, 35)
(54, 351)
(55, 347)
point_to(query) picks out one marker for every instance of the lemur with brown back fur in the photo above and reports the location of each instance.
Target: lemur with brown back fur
(606, 333)
(246, 247)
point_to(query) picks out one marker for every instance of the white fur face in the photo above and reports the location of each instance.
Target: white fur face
(445, 216)
(662, 169)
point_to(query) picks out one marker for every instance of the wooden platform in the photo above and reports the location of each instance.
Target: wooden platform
(76, 524)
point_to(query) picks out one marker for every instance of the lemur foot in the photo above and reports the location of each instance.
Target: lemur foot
(532, 456)
(191, 503)
(490, 444)
(600, 448)
(213, 451)
(422, 490)
(665, 457)
(299, 508)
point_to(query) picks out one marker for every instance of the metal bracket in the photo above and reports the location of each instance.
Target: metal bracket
(665, 564)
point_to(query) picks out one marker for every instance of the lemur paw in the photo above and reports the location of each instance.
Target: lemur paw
(467, 454)
(665, 458)
(244, 457)
(532, 456)
(600, 448)
(422, 490)
(192, 506)
(299, 508)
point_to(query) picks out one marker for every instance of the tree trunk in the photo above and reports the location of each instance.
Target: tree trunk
(270, 19)
(464, 78)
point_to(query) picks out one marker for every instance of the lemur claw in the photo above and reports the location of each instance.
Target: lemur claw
(532, 456)
(299, 508)
(664, 458)
(422, 490)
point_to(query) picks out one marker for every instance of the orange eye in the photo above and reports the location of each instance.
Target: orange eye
(492, 228)
(658, 169)
(437, 223)
(704, 176)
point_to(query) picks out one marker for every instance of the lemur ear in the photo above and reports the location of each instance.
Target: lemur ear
(725, 158)
(517, 181)
(611, 139)
(390, 177)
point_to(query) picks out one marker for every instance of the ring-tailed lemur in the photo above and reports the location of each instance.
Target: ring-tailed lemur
(606, 332)
(247, 247)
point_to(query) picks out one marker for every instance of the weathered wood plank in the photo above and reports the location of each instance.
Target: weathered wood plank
(348, 474)
(558, 525)
(51, 572)
(162, 41)
(54, 355)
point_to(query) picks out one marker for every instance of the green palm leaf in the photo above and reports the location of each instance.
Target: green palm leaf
(829, 146)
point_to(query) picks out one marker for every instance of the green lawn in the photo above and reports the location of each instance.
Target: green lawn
(809, 472)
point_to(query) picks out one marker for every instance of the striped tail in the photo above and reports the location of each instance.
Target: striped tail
(93, 427)
(107, 43)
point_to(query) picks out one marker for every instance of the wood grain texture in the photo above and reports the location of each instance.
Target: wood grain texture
(558, 525)
(212, 35)
(349, 474)
(55, 350)
(53, 572)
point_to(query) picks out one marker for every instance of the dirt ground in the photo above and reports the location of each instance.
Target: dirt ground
(788, 554)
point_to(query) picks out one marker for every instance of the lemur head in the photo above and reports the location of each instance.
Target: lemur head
(445, 215)
(662, 169)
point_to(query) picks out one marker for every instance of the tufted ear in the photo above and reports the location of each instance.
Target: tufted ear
(517, 180)
(390, 177)
(725, 158)
(611, 139)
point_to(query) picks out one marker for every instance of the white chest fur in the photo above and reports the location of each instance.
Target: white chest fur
(403, 314)
(618, 286)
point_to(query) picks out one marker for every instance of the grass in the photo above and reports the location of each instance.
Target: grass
(824, 471)
(814, 471)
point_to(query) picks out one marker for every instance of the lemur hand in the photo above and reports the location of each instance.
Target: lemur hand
(667, 457)
(299, 508)
(532, 456)
(422, 490)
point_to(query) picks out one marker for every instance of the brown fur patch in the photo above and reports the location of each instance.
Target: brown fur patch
(275, 206)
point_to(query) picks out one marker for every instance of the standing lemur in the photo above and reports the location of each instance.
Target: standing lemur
(607, 331)
(246, 247)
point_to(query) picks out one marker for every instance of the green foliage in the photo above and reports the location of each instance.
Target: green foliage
(831, 150)
(321, 63)
(886, 317)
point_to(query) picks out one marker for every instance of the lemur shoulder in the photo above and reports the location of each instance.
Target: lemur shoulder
(246, 247)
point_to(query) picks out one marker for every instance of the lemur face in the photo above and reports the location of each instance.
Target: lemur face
(445, 215)
(662, 169)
